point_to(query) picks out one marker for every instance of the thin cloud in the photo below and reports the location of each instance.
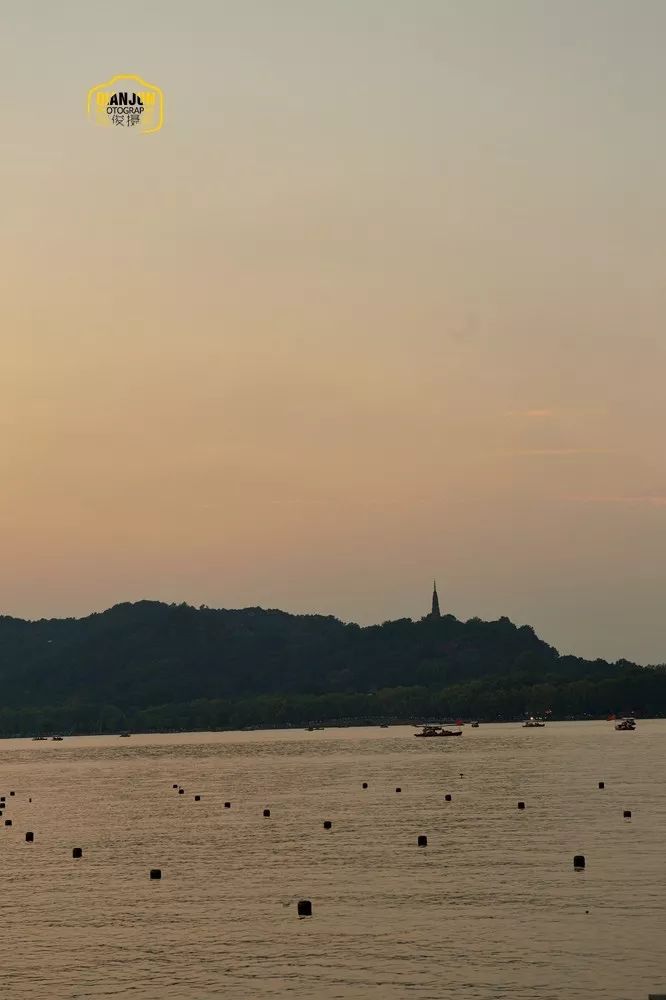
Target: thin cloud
(549, 412)
(532, 414)
(647, 500)
(555, 452)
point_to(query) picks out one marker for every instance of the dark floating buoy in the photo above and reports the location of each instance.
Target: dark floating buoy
(227, 805)
(8, 822)
(422, 840)
(77, 852)
(327, 824)
(398, 789)
(29, 800)
(448, 798)
(462, 775)
(197, 798)
(267, 812)
(155, 873)
(174, 786)
(304, 907)
(12, 793)
(521, 805)
(181, 791)
(364, 785)
(29, 837)
(579, 861)
(602, 784)
(627, 813)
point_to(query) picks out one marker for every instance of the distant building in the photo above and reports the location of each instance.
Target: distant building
(435, 613)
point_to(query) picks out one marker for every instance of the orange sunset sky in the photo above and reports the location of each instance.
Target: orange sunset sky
(384, 300)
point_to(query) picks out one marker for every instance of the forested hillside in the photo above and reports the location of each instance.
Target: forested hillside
(156, 666)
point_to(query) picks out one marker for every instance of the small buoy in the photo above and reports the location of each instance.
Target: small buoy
(155, 873)
(365, 784)
(77, 852)
(8, 822)
(462, 775)
(422, 840)
(181, 791)
(304, 907)
(398, 789)
(227, 805)
(174, 786)
(197, 798)
(521, 805)
(29, 837)
(12, 793)
(602, 784)
(448, 798)
(579, 861)
(327, 824)
(29, 800)
(267, 812)
(627, 814)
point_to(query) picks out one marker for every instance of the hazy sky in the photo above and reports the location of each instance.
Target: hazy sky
(383, 300)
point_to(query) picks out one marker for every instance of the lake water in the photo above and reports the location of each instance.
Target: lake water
(492, 908)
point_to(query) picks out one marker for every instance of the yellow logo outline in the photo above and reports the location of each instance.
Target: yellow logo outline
(137, 79)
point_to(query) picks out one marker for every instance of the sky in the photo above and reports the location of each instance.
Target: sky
(383, 301)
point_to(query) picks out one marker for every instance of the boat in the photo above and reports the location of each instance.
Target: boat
(57, 739)
(533, 723)
(474, 725)
(38, 739)
(626, 725)
(125, 734)
(438, 731)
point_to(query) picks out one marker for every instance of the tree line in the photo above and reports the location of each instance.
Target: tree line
(152, 666)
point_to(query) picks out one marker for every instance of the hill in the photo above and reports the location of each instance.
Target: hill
(156, 666)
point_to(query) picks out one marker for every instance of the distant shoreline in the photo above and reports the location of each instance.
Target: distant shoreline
(315, 727)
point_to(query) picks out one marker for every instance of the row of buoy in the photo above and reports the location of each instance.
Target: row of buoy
(227, 805)
(197, 798)
(304, 906)
(448, 797)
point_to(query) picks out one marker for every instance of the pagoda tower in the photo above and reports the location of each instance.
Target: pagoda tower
(435, 613)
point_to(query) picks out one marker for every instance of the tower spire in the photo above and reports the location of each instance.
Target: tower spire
(435, 613)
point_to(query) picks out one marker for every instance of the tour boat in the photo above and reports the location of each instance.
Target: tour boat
(626, 725)
(474, 725)
(533, 723)
(438, 731)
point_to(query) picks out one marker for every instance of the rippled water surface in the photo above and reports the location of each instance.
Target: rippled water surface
(490, 909)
